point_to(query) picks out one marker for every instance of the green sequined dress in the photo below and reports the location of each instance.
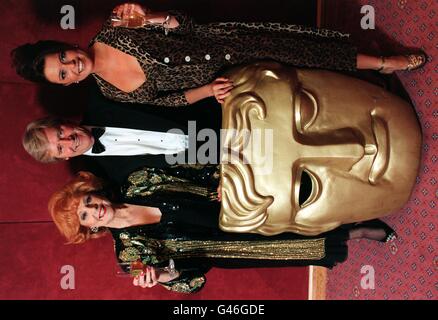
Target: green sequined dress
(188, 231)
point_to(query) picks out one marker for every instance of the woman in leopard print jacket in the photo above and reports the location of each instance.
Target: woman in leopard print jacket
(171, 61)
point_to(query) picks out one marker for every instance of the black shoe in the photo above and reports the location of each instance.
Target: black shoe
(391, 235)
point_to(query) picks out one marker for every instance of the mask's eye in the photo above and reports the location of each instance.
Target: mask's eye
(306, 188)
(306, 110)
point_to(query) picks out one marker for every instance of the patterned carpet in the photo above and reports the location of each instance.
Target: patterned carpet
(408, 268)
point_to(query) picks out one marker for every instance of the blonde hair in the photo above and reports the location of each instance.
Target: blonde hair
(35, 140)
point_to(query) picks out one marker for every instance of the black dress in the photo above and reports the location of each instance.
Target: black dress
(192, 55)
(188, 231)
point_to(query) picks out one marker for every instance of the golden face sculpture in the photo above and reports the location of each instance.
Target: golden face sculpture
(330, 150)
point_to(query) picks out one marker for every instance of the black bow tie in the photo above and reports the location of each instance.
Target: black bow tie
(98, 147)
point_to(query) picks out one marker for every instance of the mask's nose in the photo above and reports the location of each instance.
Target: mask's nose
(335, 149)
(353, 151)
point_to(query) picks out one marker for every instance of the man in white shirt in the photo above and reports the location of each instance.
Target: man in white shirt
(66, 140)
(119, 137)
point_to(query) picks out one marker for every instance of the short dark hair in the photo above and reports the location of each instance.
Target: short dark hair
(28, 59)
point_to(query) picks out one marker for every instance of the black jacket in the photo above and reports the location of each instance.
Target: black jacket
(103, 112)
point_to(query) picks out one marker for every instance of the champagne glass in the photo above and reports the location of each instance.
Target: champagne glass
(133, 20)
(135, 268)
(138, 20)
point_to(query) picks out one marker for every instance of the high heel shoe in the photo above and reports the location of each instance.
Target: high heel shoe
(414, 61)
(391, 235)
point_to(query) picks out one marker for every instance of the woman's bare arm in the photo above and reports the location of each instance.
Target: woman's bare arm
(219, 88)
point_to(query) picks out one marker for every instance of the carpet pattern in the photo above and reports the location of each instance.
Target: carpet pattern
(408, 267)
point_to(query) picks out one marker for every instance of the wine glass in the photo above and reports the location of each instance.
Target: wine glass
(171, 268)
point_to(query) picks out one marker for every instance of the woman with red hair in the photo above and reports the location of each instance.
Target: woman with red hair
(171, 214)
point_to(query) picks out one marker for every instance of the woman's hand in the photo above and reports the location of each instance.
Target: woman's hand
(221, 88)
(147, 279)
(124, 11)
(151, 277)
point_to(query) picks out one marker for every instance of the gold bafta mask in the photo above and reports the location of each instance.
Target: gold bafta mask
(331, 150)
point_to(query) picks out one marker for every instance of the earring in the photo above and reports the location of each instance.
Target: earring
(94, 229)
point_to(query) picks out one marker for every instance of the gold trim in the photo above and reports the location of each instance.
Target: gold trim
(270, 250)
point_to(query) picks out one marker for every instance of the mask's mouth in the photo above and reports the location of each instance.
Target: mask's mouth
(381, 149)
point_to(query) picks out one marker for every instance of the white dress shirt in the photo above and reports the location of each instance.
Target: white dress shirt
(125, 142)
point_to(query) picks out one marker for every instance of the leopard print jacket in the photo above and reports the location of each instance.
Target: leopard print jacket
(192, 55)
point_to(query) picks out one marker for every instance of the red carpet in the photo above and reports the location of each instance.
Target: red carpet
(408, 268)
